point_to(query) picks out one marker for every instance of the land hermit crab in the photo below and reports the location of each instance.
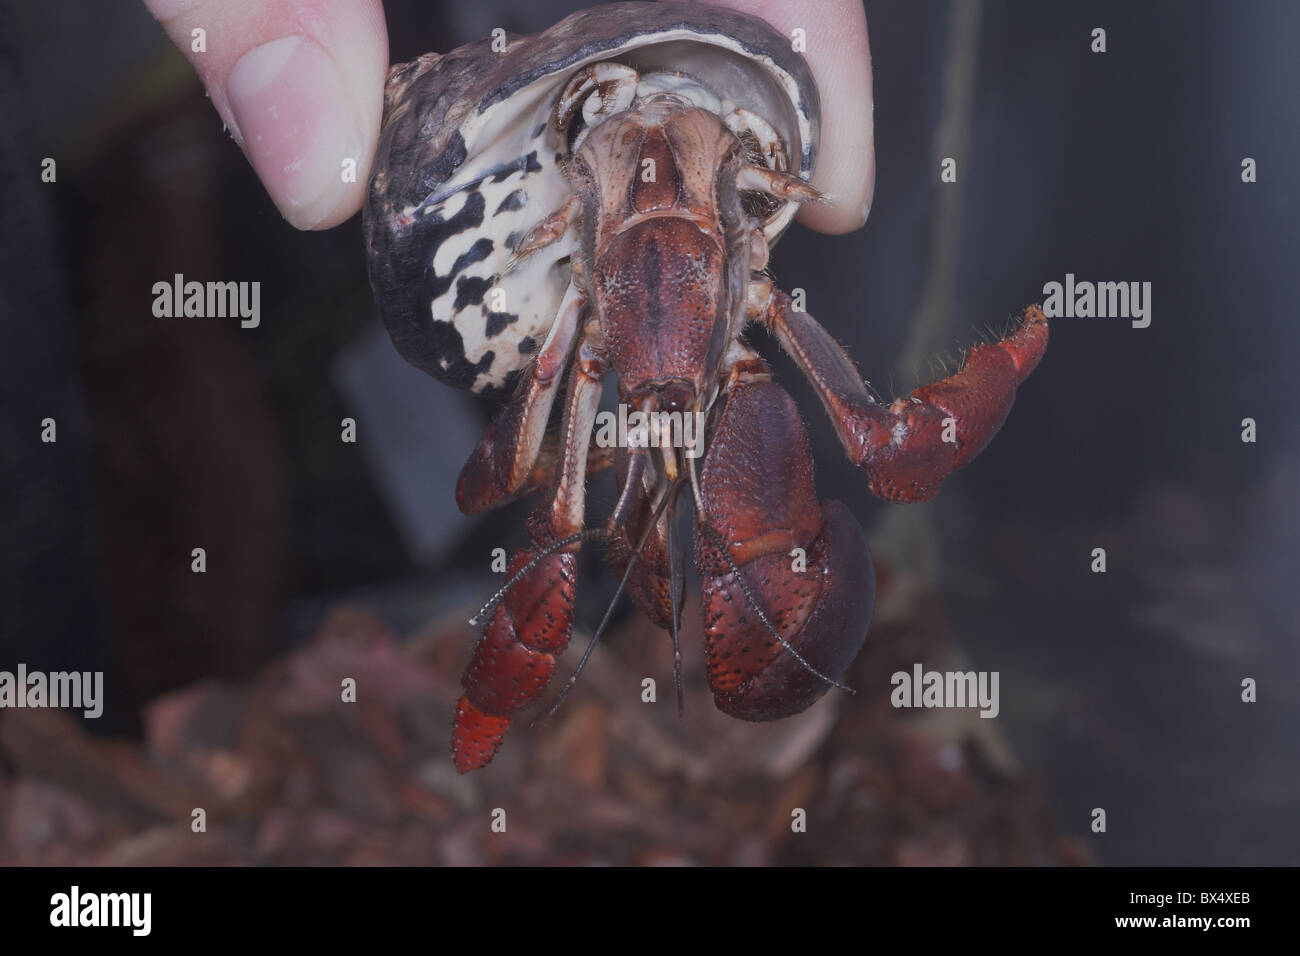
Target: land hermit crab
(602, 197)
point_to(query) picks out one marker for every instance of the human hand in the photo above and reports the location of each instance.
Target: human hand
(300, 86)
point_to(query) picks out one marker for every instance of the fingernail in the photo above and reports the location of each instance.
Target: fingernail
(296, 125)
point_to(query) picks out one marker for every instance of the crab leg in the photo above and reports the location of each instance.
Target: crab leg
(542, 477)
(516, 656)
(909, 447)
(550, 230)
(503, 461)
(650, 584)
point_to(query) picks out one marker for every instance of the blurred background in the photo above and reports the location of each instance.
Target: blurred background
(1119, 691)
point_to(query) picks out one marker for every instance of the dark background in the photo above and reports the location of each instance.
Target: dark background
(1119, 690)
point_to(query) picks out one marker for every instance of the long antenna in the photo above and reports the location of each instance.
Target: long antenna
(675, 599)
(609, 611)
(490, 607)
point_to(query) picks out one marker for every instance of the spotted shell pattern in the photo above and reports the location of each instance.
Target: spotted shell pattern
(464, 170)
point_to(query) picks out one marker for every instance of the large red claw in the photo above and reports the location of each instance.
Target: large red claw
(823, 612)
(803, 567)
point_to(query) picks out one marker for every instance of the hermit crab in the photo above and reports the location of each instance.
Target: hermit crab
(601, 197)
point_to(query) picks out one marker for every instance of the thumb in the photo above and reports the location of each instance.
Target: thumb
(300, 84)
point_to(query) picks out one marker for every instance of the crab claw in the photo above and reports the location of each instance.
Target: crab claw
(515, 658)
(774, 561)
(909, 447)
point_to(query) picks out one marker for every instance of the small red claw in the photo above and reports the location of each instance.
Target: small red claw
(515, 658)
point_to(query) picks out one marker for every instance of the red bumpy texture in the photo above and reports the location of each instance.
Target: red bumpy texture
(760, 501)
(515, 658)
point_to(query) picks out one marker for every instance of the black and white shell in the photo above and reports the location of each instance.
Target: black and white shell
(464, 170)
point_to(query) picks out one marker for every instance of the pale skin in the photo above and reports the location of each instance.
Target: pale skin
(299, 84)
